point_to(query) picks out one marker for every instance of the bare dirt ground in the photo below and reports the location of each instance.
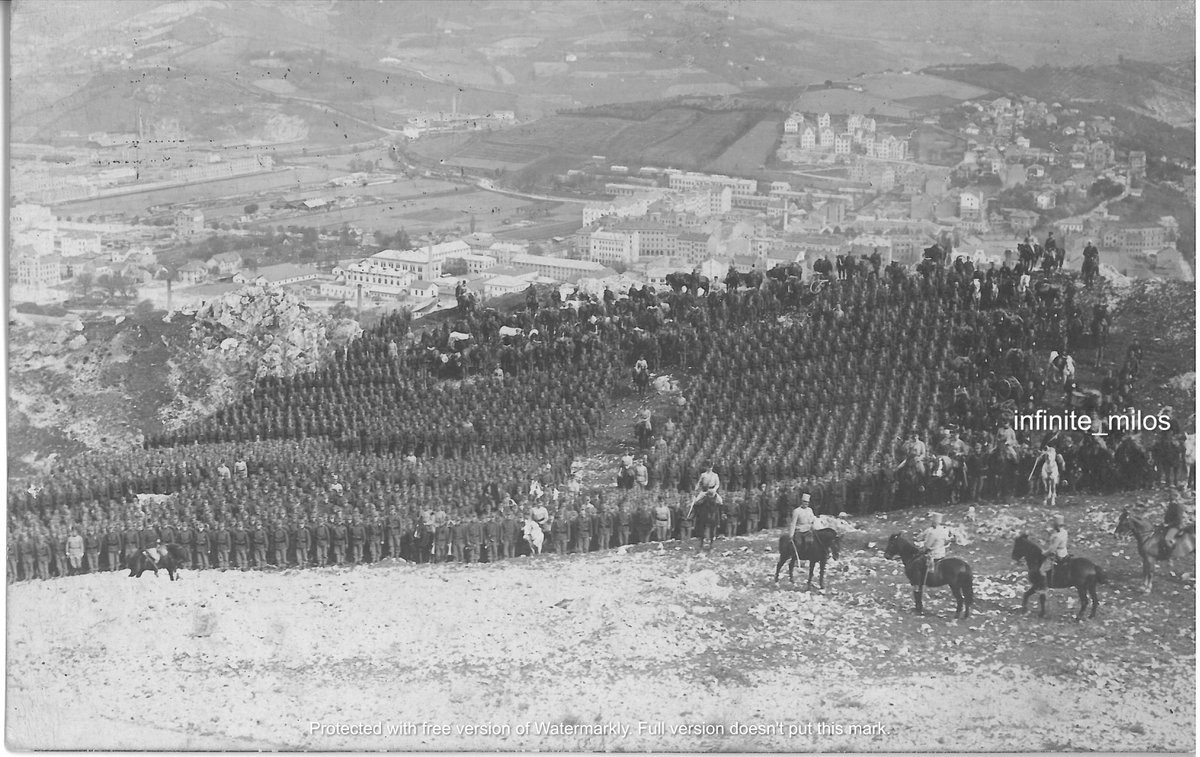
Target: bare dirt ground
(648, 639)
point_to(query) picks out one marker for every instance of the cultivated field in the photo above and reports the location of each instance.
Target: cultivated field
(648, 635)
(752, 151)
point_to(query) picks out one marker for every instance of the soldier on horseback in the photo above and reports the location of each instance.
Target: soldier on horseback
(914, 452)
(933, 541)
(707, 485)
(1056, 548)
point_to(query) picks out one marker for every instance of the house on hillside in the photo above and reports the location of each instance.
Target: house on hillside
(193, 272)
(226, 263)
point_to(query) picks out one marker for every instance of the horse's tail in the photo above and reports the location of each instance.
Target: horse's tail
(968, 587)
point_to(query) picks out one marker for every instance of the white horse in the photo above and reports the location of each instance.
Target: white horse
(533, 536)
(1051, 471)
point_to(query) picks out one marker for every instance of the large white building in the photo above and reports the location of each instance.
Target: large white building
(559, 269)
(687, 181)
(611, 247)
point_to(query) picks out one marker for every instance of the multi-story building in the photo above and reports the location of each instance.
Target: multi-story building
(692, 246)
(32, 269)
(559, 269)
(689, 182)
(1137, 164)
(841, 144)
(189, 223)
(655, 239)
(793, 124)
(970, 206)
(1143, 238)
(610, 247)
(420, 264)
(75, 244)
(808, 138)
(825, 137)
(823, 121)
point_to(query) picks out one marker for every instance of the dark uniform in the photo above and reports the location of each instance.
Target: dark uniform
(279, 544)
(301, 542)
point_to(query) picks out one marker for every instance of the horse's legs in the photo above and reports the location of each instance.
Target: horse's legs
(1042, 603)
(1095, 599)
(779, 565)
(1147, 573)
(1083, 602)
(917, 598)
(812, 566)
(822, 579)
(1025, 599)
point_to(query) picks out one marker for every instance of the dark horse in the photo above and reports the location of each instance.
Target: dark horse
(1152, 545)
(707, 513)
(818, 550)
(949, 571)
(140, 562)
(1077, 572)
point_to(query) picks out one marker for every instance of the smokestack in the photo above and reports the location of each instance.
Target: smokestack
(358, 303)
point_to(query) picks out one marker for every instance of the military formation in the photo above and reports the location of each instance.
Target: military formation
(434, 445)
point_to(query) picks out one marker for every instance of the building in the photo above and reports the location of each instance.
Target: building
(970, 206)
(191, 273)
(559, 269)
(611, 247)
(1137, 164)
(1143, 238)
(793, 124)
(692, 246)
(189, 223)
(808, 138)
(282, 274)
(31, 269)
(74, 244)
(422, 289)
(687, 181)
(654, 238)
(825, 137)
(226, 263)
(421, 264)
(823, 121)
(841, 144)
(472, 262)
(1045, 200)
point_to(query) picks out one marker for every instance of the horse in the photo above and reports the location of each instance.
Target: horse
(1003, 463)
(1049, 473)
(1079, 573)
(910, 482)
(1170, 457)
(643, 428)
(950, 473)
(1091, 269)
(949, 571)
(1134, 464)
(533, 535)
(819, 548)
(641, 380)
(707, 512)
(1152, 545)
(175, 557)
(421, 545)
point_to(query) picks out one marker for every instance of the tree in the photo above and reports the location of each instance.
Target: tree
(84, 281)
(250, 262)
(341, 310)
(251, 209)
